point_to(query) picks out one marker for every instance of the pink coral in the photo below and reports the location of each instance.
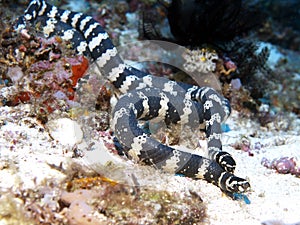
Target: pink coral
(244, 144)
(283, 165)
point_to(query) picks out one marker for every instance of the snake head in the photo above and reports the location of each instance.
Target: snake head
(237, 185)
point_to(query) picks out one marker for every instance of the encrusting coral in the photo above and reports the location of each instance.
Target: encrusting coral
(40, 71)
(202, 61)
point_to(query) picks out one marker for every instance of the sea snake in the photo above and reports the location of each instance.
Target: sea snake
(145, 97)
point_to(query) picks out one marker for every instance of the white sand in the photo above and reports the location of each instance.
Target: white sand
(25, 152)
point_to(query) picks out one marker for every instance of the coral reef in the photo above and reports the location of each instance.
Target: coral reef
(37, 82)
(40, 71)
(283, 165)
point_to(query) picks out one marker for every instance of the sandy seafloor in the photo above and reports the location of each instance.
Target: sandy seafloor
(274, 197)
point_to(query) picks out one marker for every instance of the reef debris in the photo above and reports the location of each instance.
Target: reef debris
(125, 205)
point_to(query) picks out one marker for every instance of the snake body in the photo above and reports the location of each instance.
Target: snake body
(145, 97)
